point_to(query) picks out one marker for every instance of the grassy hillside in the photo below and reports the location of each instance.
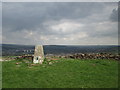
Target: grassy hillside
(62, 73)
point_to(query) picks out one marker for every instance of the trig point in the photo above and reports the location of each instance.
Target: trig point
(38, 54)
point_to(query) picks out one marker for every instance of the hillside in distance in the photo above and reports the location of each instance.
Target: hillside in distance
(12, 49)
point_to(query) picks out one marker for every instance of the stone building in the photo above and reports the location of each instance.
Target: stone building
(38, 54)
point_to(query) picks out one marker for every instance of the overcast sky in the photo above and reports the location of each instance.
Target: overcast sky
(49, 23)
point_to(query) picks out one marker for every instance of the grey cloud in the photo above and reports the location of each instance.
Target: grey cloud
(107, 29)
(19, 16)
(19, 19)
(114, 15)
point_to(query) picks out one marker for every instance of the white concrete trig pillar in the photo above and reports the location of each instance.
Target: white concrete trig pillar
(38, 54)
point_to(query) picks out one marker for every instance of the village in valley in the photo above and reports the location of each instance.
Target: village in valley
(37, 55)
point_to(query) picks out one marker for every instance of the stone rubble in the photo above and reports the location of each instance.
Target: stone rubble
(92, 56)
(79, 56)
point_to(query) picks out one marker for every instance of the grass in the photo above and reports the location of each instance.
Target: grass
(62, 73)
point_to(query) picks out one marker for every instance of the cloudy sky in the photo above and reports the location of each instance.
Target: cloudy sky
(67, 23)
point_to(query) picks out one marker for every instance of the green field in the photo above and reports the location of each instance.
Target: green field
(62, 73)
